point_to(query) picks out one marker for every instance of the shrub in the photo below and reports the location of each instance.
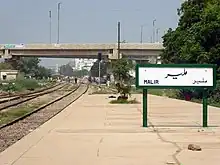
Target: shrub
(29, 84)
(124, 90)
(20, 84)
(123, 101)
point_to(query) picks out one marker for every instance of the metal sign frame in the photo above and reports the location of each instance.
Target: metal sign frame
(204, 88)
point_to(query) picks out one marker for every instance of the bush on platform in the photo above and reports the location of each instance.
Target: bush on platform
(124, 101)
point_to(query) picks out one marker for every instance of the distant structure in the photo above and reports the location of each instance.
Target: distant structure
(57, 68)
(83, 64)
(7, 75)
(72, 63)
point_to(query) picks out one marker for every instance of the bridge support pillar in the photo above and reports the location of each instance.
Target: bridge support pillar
(114, 55)
(6, 54)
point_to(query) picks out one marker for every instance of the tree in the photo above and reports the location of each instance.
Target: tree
(121, 69)
(4, 65)
(66, 70)
(197, 37)
(80, 73)
(43, 72)
(95, 69)
(28, 65)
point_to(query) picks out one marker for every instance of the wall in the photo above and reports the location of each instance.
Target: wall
(10, 75)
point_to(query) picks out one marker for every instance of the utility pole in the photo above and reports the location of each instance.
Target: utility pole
(99, 73)
(58, 22)
(99, 60)
(119, 39)
(141, 33)
(50, 17)
(157, 32)
(154, 30)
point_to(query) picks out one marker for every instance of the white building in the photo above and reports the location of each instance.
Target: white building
(7, 75)
(83, 64)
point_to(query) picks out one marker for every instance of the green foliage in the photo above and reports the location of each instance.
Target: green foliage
(122, 101)
(19, 111)
(195, 40)
(197, 37)
(121, 69)
(80, 73)
(43, 72)
(4, 66)
(20, 84)
(29, 66)
(66, 70)
(95, 69)
(28, 83)
(123, 89)
(215, 95)
(195, 95)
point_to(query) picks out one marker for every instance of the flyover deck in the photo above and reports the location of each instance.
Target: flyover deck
(109, 51)
(87, 46)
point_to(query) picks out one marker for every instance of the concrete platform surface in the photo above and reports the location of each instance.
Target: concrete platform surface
(93, 132)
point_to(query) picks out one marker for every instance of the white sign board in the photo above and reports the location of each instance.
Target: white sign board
(191, 77)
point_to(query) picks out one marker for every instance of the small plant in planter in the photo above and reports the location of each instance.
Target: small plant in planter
(124, 90)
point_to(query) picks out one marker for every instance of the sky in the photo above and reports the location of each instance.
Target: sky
(84, 21)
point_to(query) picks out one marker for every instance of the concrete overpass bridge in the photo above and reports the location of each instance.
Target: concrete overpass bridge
(135, 51)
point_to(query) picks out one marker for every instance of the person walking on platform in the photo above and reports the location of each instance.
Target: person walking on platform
(75, 80)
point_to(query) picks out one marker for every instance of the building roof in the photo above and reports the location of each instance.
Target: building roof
(8, 70)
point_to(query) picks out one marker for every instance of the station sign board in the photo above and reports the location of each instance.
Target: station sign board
(175, 76)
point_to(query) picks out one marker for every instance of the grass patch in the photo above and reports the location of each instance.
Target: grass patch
(158, 92)
(14, 113)
(121, 101)
(215, 104)
(173, 93)
(136, 91)
(20, 85)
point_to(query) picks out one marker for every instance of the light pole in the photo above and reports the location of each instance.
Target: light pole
(50, 19)
(154, 30)
(119, 39)
(99, 73)
(142, 33)
(157, 32)
(99, 60)
(58, 22)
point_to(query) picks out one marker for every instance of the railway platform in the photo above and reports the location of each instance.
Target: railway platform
(93, 132)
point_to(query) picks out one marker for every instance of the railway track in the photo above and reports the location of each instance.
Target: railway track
(22, 99)
(6, 97)
(21, 126)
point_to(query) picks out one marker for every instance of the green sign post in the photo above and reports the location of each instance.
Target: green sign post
(176, 76)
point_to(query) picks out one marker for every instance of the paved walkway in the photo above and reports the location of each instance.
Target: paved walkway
(93, 132)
